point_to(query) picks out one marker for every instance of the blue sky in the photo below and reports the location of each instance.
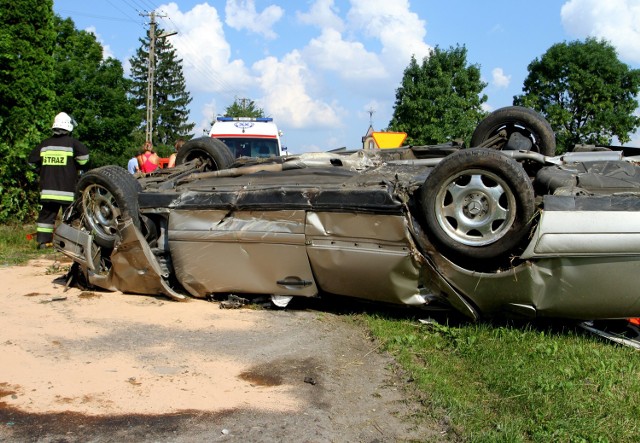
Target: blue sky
(319, 66)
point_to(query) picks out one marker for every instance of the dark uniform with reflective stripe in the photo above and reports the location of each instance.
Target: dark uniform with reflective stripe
(59, 158)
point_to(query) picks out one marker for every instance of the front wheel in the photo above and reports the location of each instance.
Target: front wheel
(478, 205)
(107, 195)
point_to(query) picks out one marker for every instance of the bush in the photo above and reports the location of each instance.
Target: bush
(18, 180)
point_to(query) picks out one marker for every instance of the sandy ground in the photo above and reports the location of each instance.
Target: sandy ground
(98, 366)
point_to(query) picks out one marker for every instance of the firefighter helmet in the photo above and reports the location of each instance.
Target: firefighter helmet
(63, 121)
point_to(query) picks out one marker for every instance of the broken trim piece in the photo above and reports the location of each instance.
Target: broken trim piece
(616, 338)
(134, 266)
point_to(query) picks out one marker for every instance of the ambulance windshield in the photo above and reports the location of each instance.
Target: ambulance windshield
(251, 147)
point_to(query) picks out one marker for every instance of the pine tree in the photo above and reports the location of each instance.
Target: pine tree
(170, 97)
(243, 107)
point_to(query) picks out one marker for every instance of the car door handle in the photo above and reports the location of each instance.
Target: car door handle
(294, 281)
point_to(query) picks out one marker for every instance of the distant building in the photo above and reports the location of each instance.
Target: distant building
(368, 143)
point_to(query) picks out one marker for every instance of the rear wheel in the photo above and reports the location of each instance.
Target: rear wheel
(478, 205)
(107, 195)
(213, 153)
(515, 127)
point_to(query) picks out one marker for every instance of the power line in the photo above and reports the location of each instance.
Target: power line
(122, 12)
(190, 56)
(198, 64)
(150, 5)
(141, 5)
(102, 17)
(130, 5)
(204, 68)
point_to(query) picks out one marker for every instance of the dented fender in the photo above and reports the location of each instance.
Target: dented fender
(134, 267)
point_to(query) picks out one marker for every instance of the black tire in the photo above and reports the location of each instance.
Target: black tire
(521, 122)
(106, 195)
(478, 205)
(211, 151)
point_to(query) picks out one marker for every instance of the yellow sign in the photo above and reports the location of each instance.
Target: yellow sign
(386, 140)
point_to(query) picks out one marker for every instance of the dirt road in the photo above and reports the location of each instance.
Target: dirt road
(98, 366)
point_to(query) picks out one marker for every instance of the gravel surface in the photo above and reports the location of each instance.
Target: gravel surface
(106, 367)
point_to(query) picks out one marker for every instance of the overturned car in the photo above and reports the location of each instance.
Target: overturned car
(505, 227)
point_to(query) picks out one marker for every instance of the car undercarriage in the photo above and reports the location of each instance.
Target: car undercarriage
(500, 229)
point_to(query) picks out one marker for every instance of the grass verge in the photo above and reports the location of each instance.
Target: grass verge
(15, 247)
(518, 383)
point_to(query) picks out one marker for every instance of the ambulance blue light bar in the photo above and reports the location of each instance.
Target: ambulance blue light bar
(244, 119)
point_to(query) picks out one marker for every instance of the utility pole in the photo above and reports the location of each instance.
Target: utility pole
(244, 103)
(151, 70)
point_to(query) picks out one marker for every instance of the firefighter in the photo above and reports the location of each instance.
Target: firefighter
(58, 159)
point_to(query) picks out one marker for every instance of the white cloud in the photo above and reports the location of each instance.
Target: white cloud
(208, 111)
(497, 29)
(242, 14)
(322, 14)
(349, 59)
(279, 86)
(635, 140)
(617, 21)
(400, 31)
(346, 49)
(106, 49)
(486, 107)
(500, 80)
(301, 89)
(369, 113)
(284, 84)
(206, 54)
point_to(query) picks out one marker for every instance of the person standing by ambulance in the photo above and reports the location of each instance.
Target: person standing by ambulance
(58, 159)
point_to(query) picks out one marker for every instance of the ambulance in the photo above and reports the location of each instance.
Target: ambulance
(248, 137)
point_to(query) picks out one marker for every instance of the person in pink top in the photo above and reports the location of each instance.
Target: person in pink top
(148, 160)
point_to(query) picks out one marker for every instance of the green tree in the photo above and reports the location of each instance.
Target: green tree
(244, 107)
(170, 97)
(47, 66)
(586, 93)
(27, 39)
(94, 91)
(439, 99)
